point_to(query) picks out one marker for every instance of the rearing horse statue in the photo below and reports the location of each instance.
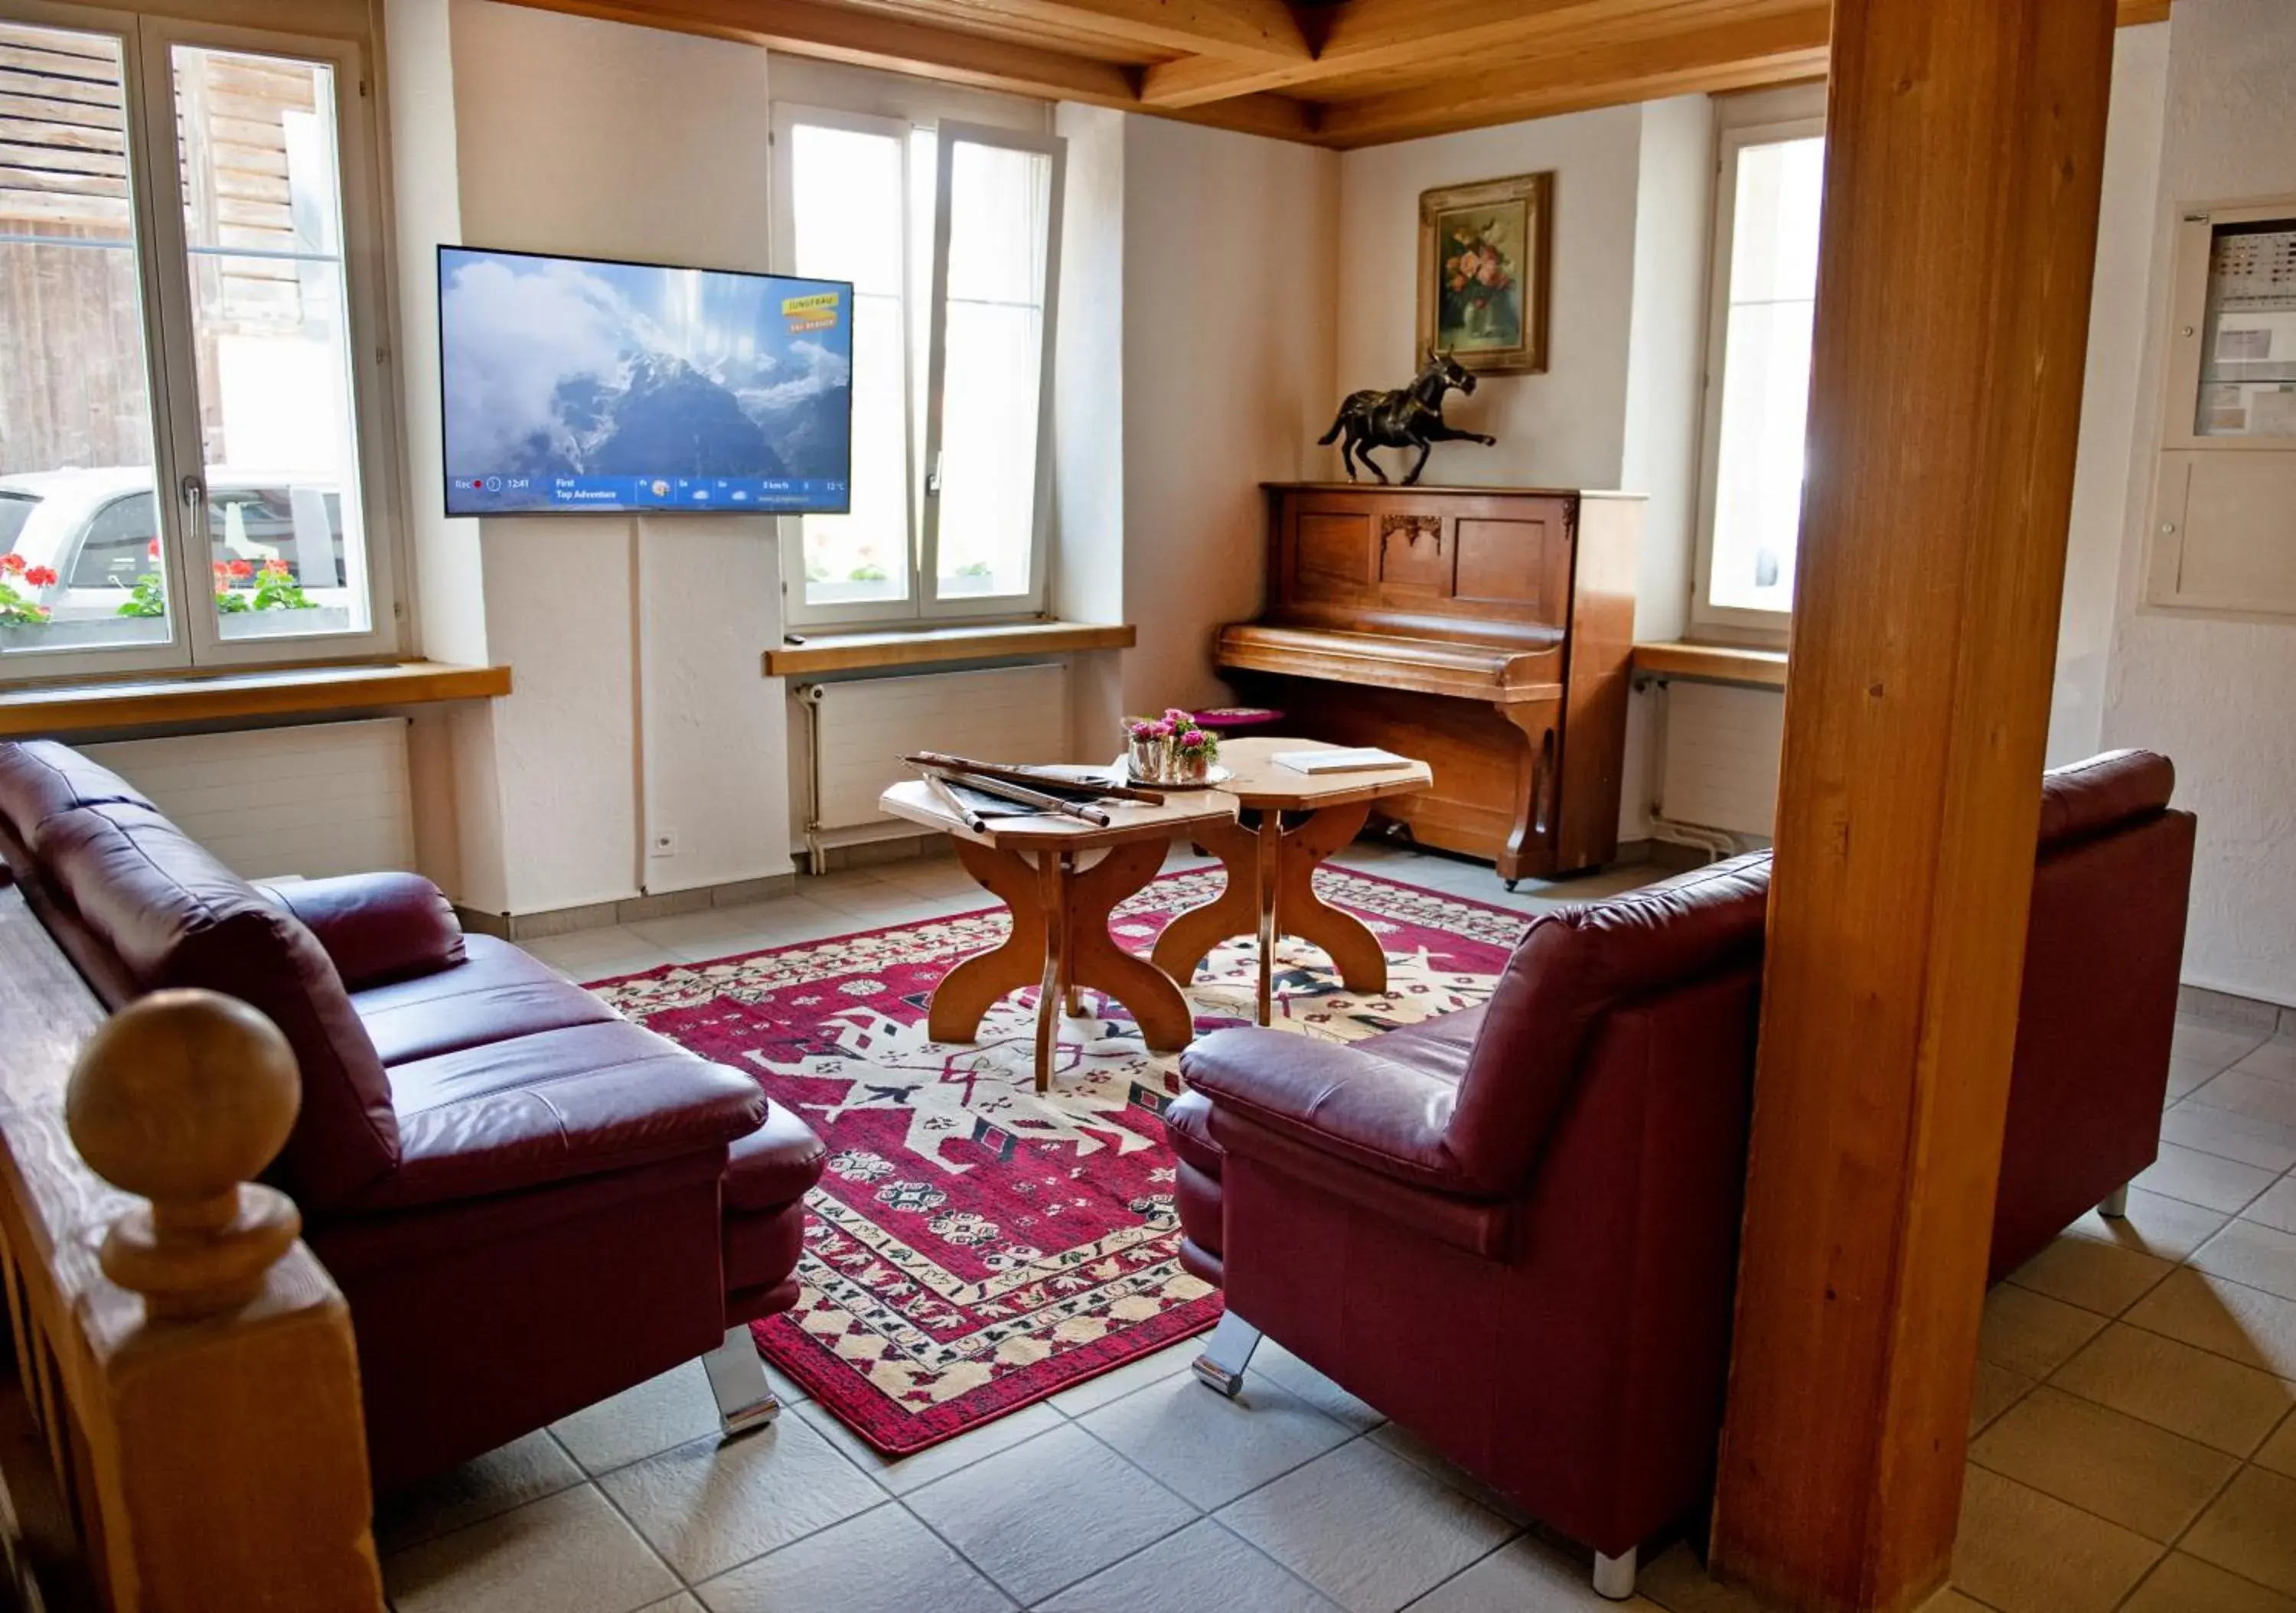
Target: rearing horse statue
(1411, 417)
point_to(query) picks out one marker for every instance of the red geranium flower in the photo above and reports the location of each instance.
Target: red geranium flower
(41, 577)
(12, 564)
(275, 567)
(152, 549)
(241, 568)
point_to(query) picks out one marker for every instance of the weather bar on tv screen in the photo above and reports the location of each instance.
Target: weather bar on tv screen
(770, 492)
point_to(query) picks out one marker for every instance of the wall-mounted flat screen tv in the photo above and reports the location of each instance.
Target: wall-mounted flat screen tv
(574, 383)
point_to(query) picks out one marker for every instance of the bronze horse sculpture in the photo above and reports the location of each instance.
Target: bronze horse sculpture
(1410, 417)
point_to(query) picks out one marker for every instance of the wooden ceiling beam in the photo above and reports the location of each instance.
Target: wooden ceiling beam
(1737, 57)
(1242, 31)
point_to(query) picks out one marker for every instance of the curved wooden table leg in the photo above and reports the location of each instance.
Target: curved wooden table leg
(1054, 872)
(969, 990)
(1096, 960)
(1191, 936)
(1353, 949)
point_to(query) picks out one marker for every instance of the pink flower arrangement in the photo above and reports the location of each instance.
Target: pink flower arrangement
(1173, 748)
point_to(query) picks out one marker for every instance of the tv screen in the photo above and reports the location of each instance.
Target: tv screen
(578, 384)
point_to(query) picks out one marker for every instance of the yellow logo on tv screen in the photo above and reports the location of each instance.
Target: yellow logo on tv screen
(814, 311)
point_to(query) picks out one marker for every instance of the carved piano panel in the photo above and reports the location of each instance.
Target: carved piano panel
(1484, 629)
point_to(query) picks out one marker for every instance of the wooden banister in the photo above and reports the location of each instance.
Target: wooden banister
(187, 1361)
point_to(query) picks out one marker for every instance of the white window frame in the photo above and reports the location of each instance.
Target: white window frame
(923, 607)
(1795, 113)
(196, 642)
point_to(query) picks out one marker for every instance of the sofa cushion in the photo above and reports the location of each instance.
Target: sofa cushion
(775, 1164)
(554, 1105)
(1568, 972)
(2105, 792)
(498, 991)
(165, 913)
(1439, 1047)
(41, 778)
(1188, 1127)
(377, 927)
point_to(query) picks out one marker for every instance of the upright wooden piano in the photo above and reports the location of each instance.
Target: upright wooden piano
(1484, 630)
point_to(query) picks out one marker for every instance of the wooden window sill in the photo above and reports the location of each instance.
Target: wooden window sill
(918, 647)
(1712, 664)
(61, 710)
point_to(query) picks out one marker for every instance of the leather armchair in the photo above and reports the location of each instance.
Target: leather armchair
(530, 1203)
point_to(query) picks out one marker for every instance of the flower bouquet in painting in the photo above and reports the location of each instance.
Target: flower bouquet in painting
(1172, 748)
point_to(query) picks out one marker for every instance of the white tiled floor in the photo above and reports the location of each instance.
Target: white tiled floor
(2134, 1442)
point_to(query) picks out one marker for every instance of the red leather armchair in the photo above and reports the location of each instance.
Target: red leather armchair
(1514, 1230)
(530, 1203)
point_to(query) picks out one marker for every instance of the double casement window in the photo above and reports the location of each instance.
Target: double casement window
(950, 234)
(193, 425)
(1765, 288)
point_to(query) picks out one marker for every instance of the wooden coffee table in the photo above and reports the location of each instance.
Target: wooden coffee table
(1060, 901)
(1288, 822)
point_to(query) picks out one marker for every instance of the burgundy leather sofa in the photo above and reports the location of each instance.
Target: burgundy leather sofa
(1514, 1230)
(530, 1203)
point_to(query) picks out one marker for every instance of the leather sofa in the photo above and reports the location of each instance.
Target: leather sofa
(530, 1203)
(1514, 1230)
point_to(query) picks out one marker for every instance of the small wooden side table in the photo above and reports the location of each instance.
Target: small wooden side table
(1059, 905)
(1271, 864)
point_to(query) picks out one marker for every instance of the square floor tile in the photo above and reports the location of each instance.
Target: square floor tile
(2218, 1046)
(2185, 1075)
(570, 1552)
(2095, 1275)
(1208, 1448)
(683, 1602)
(2022, 1551)
(707, 1505)
(2250, 1252)
(2279, 1451)
(2252, 1530)
(2155, 1225)
(1358, 1416)
(666, 1410)
(2241, 1137)
(1202, 1567)
(2277, 1206)
(1044, 1514)
(2269, 1098)
(1395, 1437)
(2031, 1333)
(2207, 1180)
(1677, 1581)
(883, 1561)
(1365, 1527)
(2275, 1060)
(509, 1476)
(2245, 1324)
(2174, 1386)
(1997, 1389)
(902, 1474)
(1095, 1392)
(2183, 1584)
(2132, 1473)
(1525, 1574)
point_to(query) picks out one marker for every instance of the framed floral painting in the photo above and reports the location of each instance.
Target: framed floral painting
(1482, 273)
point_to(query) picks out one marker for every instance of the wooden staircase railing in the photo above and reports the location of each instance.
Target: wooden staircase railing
(183, 1433)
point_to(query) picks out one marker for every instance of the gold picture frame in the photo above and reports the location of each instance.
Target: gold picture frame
(1483, 254)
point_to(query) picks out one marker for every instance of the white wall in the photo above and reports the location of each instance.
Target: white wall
(2210, 692)
(1227, 380)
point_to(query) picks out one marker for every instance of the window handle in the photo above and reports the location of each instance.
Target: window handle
(932, 479)
(193, 491)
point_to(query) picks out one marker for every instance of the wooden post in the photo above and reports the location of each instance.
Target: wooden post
(221, 1409)
(1964, 144)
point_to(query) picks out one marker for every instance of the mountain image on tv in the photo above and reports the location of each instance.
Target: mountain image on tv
(557, 367)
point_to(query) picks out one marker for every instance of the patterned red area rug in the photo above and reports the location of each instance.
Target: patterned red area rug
(974, 1247)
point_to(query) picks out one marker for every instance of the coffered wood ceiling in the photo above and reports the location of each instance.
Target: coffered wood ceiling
(1338, 73)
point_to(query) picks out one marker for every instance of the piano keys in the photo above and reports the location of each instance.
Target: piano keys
(1486, 630)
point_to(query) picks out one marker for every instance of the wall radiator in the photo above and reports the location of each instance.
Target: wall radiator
(325, 798)
(1719, 760)
(858, 732)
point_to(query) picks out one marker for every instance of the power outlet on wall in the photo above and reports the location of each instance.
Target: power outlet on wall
(662, 843)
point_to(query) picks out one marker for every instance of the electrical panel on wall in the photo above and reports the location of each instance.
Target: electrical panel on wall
(2224, 499)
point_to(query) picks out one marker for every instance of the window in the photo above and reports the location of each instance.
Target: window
(184, 477)
(1758, 360)
(950, 235)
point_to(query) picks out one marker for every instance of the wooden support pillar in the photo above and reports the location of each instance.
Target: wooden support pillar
(1964, 142)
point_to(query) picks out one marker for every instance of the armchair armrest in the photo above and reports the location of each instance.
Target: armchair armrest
(1372, 1112)
(375, 928)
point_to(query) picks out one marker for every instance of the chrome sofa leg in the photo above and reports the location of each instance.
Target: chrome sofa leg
(2116, 1203)
(737, 1377)
(1226, 1354)
(1614, 1577)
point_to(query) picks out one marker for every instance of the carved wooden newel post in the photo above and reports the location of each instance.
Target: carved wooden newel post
(228, 1454)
